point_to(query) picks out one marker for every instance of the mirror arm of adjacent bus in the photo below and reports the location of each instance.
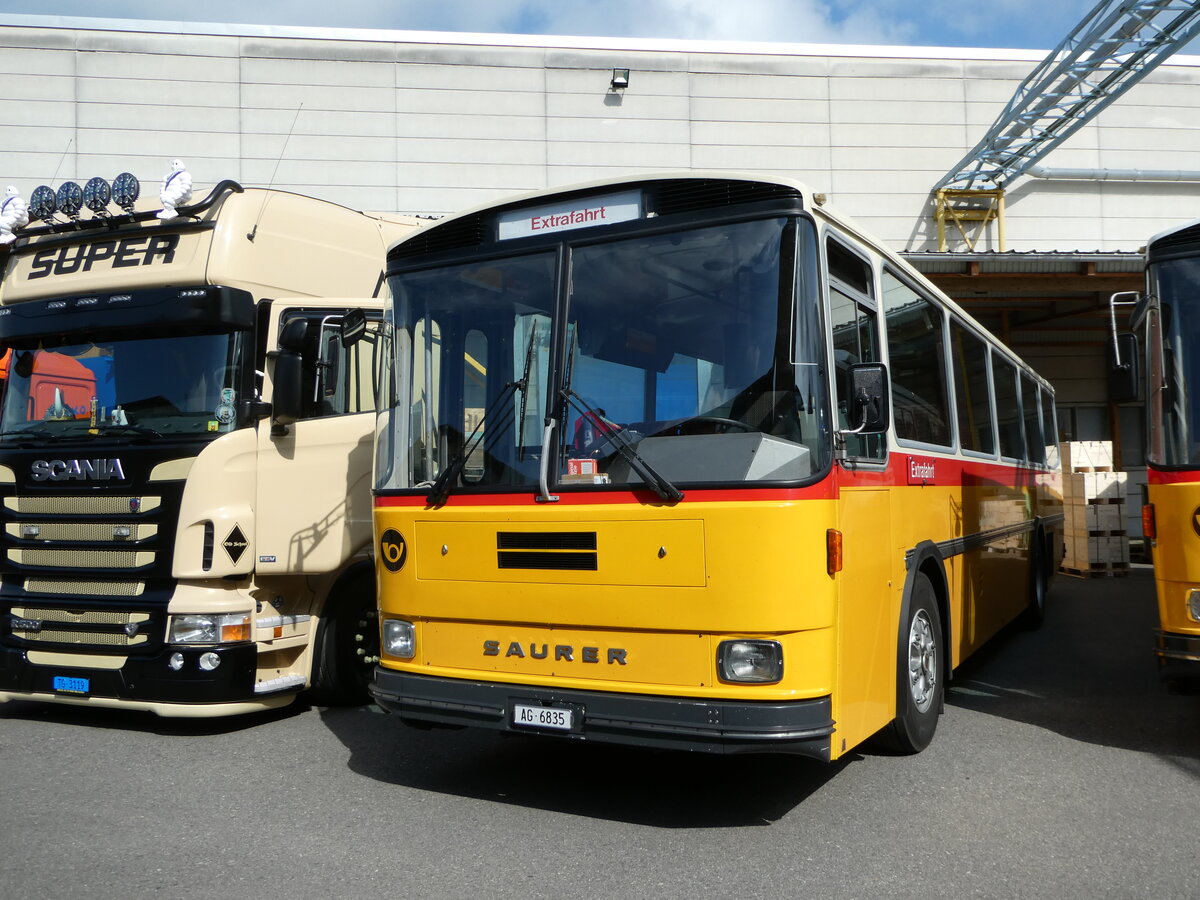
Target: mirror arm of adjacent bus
(1123, 373)
(868, 390)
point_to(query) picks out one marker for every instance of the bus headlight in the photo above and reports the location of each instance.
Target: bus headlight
(757, 662)
(209, 629)
(399, 638)
(1193, 604)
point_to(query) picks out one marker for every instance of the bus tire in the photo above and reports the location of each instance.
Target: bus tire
(1039, 579)
(347, 645)
(920, 672)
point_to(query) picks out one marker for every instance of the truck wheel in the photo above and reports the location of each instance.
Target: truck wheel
(920, 671)
(347, 646)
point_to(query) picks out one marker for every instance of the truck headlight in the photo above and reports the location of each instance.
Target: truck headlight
(399, 638)
(209, 629)
(1193, 604)
(755, 662)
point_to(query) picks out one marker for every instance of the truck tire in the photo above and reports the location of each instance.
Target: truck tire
(347, 645)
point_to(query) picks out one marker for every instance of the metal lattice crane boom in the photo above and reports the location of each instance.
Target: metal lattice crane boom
(1116, 45)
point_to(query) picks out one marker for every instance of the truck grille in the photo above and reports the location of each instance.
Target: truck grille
(92, 628)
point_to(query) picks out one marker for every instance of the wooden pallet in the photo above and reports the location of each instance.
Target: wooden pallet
(1096, 570)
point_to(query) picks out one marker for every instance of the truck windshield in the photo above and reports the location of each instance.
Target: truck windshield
(182, 385)
(697, 352)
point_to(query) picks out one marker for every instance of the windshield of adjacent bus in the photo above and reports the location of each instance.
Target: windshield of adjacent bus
(1174, 357)
(179, 385)
(682, 352)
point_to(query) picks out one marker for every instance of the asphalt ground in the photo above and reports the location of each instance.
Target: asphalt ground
(1061, 768)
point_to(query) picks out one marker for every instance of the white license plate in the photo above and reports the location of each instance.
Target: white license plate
(555, 718)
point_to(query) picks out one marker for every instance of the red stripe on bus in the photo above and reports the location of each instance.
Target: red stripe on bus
(1158, 476)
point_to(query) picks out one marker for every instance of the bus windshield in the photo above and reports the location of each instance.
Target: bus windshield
(1174, 358)
(155, 386)
(684, 351)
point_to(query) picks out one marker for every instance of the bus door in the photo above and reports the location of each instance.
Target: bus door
(868, 595)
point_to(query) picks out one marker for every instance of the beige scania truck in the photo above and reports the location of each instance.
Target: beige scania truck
(185, 450)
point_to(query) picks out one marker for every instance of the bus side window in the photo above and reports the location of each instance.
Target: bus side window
(973, 399)
(855, 337)
(1008, 413)
(917, 364)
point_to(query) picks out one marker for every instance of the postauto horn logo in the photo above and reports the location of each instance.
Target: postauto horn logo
(393, 550)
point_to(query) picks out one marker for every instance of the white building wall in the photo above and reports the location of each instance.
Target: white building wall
(434, 123)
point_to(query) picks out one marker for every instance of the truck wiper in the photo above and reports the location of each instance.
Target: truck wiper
(111, 427)
(40, 433)
(655, 479)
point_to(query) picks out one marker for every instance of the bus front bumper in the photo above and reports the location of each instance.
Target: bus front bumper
(1178, 655)
(801, 727)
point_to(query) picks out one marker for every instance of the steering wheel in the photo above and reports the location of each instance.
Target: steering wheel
(718, 425)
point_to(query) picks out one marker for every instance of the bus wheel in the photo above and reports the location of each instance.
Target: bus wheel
(347, 645)
(919, 700)
(1035, 611)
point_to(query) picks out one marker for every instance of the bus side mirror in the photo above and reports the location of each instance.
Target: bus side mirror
(353, 327)
(286, 380)
(1123, 383)
(869, 398)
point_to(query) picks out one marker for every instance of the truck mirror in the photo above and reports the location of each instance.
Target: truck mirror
(1123, 382)
(869, 405)
(354, 326)
(286, 394)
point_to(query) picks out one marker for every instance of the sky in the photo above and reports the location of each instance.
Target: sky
(1010, 24)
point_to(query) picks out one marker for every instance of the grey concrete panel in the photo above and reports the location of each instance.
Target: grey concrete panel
(660, 156)
(167, 145)
(885, 135)
(471, 127)
(639, 62)
(617, 129)
(898, 112)
(317, 147)
(343, 99)
(469, 153)
(896, 159)
(599, 80)
(751, 134)
(137, 117)
(288, 48)
(429, 76)
(1149, 118)
(606, 105)
(896, 68)
(175, 62)
(37, 112)
(750, 64)
(732, 110)
(466, 55)
(35, 61)
(517, 103)
(171, 45)
(318, 172)
(300, 72)
(38, 38)
(759, 87)
(764, 159)
(311, 121)
(439, 200)
(48, 87)
(487, 178)
(945, 90)
(150, 91)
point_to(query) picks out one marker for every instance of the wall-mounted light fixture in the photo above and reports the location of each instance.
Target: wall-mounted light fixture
(620, 79)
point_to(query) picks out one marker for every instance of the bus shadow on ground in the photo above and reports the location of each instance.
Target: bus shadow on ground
(665, 789)
(1088, 674)
(143, 722)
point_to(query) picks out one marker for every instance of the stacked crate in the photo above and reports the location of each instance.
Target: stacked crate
(1094, 510)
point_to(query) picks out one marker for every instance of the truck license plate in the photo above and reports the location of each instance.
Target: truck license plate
(72, 685)
(555, 718)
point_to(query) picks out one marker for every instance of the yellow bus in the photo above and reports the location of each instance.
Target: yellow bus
(689, 461)
(1167, 319)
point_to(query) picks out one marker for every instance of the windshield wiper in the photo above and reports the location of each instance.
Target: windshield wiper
(653, 478)
(440, 489)
(110, 427)
(40, 433)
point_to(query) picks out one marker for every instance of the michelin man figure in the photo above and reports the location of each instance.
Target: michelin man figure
(13, 214)
(176, 189)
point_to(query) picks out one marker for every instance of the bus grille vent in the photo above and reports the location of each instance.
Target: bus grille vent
(465, 232)
(679, 196)
(573, 551)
